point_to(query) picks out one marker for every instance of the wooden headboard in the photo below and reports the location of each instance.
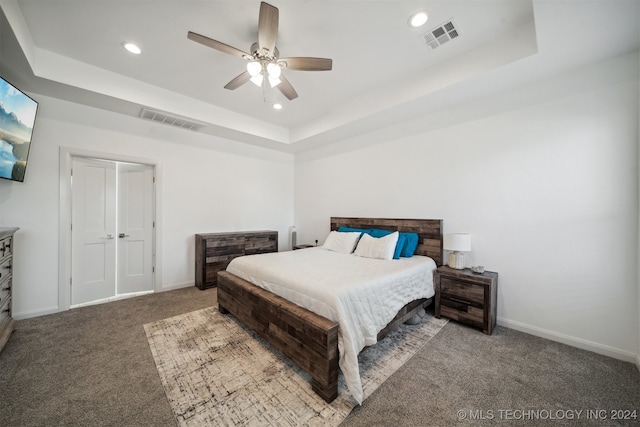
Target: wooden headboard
(429, 231)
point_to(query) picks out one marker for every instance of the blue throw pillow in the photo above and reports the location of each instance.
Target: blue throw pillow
(411, 244)
(376, 232)
(402, 241)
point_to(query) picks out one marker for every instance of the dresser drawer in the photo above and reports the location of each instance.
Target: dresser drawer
(211, 271)
(6, 247)
(257, 244)
(5, 269)
(223, 249)
(5, 291)
(5, 311)
(465, 292)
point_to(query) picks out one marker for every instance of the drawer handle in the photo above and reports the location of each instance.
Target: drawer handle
(459, 300)
(6, 310)
(8, 288)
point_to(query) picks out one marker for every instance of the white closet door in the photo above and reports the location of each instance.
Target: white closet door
(93, 272)
(135, 228)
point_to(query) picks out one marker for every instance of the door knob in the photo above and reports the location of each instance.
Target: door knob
(122, 235)
(109, 236)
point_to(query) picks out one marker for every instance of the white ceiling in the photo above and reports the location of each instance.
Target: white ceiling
(382, 71)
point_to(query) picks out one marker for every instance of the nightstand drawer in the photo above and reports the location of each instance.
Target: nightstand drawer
(470, 315)
(460, 290)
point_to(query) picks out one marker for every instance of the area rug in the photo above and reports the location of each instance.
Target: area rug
(215, 371)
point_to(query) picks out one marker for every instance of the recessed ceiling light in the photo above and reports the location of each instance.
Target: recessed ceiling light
(418, 19)
(132, 48)
(277, 106)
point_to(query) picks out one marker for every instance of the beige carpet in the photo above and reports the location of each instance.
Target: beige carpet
(217, 372)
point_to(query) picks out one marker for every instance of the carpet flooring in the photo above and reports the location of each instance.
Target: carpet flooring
(92, 366)
(215, 371)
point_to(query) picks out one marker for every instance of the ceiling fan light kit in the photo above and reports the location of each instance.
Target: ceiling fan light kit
(264, 59)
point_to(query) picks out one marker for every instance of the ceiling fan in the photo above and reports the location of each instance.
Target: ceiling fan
(264, 60)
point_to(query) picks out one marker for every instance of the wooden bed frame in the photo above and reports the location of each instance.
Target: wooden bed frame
(307, 338)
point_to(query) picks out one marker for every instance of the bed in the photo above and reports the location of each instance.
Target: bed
(308, 337)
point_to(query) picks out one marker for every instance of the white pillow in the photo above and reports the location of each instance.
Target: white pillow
(380, 248)
(343, 242)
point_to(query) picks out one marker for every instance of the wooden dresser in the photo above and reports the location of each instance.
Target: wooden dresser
(214, 251)
(467, 297)
(6, 268)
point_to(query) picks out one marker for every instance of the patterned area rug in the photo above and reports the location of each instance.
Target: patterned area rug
(217, 372)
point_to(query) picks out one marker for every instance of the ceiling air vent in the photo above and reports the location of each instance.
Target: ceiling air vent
(441, 35)
(170, 119)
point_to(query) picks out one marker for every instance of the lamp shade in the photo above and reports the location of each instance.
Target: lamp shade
(457, 242)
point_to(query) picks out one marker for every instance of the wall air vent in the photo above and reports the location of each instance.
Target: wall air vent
(170, 119)
(441, 35)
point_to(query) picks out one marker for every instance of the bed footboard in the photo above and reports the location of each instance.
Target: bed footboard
(308, 339)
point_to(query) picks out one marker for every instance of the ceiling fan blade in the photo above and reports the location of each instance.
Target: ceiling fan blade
(306, 64)
(238, 81)
(268, 27)
(286, 88)
(217, 45)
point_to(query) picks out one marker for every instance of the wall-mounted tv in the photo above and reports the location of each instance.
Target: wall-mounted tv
(17, 116)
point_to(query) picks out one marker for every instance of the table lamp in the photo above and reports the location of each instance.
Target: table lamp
(457, 243)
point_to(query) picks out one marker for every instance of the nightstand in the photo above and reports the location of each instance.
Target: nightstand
(467, 297)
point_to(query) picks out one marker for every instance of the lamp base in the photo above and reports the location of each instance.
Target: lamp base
(456, 260)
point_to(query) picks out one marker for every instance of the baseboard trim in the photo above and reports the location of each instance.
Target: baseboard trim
(605, 350)
(112, 299)
(35, 313)
(176, 286)
(52, 310)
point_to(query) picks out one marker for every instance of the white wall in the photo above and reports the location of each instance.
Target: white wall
(207, 185)
(544, 178)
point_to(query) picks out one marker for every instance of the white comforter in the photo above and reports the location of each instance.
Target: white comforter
(362, 294)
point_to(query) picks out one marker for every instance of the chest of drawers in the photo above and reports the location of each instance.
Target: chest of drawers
(467, 297)
(6, 284)
(214, 251)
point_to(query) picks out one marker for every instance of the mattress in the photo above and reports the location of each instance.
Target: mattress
(361, 294)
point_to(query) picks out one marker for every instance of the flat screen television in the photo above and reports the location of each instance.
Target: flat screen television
(17, 116)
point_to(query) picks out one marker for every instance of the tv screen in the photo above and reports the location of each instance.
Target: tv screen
(17, 115)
